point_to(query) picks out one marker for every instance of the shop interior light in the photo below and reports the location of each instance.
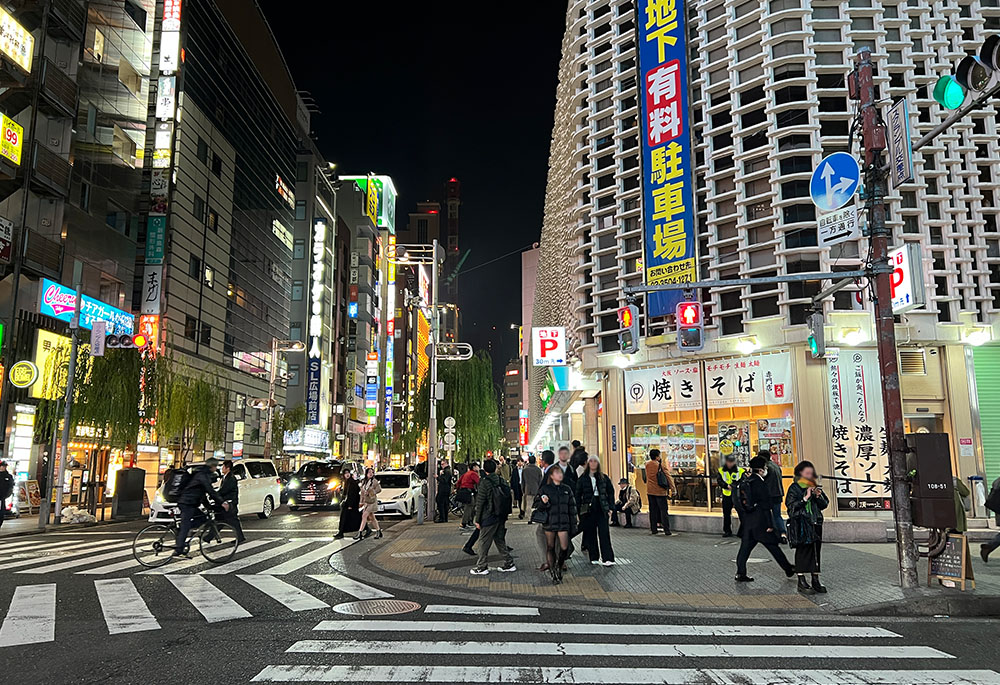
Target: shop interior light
(853, 337)
(747, 345)
(977, 336)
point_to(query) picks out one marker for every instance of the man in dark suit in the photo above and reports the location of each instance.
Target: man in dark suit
(758, 523)
(229, 491)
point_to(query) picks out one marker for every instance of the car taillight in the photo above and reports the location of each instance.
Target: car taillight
(278, 481)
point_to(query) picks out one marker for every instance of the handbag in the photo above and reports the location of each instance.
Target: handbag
(539, 516)
(661, 480)
(464, 496)
(800, 532)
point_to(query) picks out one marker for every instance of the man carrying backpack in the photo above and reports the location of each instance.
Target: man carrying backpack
(192, 494)
(993, 504)
(6, 489)
(493, 506)
(753, 503)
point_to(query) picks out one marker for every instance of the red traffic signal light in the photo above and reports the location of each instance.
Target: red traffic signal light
(689, 313)
(628, 321)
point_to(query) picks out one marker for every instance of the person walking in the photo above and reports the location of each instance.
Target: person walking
(515, 485)
(729, 473)
(757, 522)
(350, 505)
(570, 475)
(531, 480)
(369, 490)
(776, 488)
(229, 491)
(6, 489)
(628, 503)
(659, 484)
(993, 504)
(578, 458)
(466, 494)
(503, 468)
(555, 509)
(805, 502)
(444, 492)
(493, 506)
(548, 460)
(595, 496)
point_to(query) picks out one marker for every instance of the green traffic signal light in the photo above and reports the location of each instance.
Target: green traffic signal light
(949, 93)
(813, 346)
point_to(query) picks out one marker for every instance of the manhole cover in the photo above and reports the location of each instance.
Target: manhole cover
(415, 554)
(376, 607)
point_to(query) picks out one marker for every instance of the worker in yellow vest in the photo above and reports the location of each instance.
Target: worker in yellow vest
(729, 473)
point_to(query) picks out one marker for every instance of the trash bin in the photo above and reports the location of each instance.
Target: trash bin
(129, 488)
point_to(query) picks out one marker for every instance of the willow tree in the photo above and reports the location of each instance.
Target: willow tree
(471, 399)
(189, 408)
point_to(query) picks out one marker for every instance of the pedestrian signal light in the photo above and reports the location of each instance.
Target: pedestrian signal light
(628, 322)
(690, 326)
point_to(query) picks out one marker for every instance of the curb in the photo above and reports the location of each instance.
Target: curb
(968, 606)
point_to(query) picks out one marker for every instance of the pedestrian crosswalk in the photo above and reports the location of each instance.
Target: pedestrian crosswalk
(420, 649)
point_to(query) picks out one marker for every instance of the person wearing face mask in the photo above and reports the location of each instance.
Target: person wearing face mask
(805, 501)
(757, 518)
(595, 498)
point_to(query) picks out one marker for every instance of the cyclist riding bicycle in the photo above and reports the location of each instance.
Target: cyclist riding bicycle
(191, 498)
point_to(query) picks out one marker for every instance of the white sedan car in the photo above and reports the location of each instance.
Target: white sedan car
(259, 485)
(400, 490)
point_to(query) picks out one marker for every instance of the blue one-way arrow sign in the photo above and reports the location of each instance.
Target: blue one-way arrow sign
(834, 181)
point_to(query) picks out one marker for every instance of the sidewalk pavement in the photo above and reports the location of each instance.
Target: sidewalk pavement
(686, 571)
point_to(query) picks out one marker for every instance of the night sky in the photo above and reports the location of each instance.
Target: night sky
(424, 91)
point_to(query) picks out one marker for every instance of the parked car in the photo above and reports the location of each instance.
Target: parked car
(400, 490)
(260, 489)
(285, 476)
(318, 484)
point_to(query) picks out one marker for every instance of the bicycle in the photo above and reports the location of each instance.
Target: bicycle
(154, 545)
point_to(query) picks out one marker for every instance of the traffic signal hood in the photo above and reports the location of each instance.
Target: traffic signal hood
(628, 321)
(974, 74)
(127, 340)
(690, 326)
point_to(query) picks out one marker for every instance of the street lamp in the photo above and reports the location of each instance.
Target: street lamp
(428, 254)
(260, 403)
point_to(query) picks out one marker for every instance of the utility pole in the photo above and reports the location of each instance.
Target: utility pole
(74, 325)
(862, 88)
(432, 420)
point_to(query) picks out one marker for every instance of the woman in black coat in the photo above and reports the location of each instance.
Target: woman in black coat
(350, 516)
(556, 503)
(805, 502)
(595, 499)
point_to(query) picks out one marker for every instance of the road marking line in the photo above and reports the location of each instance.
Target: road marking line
(31, 617)
(615, 650)
(110, 568)
(352, 587)
(480, 610)
(82, 551)
(308, 558)
(290, 596)
(213, 604)
(123, 607)
(252, 559)
(85, 561)
(197, 559)
(22, 547)
(600, 676)
(605, 629)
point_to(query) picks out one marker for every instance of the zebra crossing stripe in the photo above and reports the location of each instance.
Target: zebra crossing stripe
(123, 607)
(31, 617)
(211, 602)
(196, 559)
(87, 560)
(602, 676)
(305, 559)
(606, 629)
(21, 547)
(351, 587)
(80, 550)
(480, 610)
(290, 596)
(238, 564)
(614, 650)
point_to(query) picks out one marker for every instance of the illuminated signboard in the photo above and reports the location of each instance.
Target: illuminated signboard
(523, 428)
(386, 203)
(11, 139)
(16, 42)
(58, 301)
(667, 193)
(313, 364)
(371, 200)
(284, 191)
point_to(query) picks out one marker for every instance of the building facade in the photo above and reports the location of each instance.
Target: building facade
(768, 101)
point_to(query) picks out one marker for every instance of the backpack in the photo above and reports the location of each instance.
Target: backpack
(175, 484)
(502, 500)
(741, 496)
(993, 500)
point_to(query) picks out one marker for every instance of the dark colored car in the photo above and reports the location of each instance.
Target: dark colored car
(285, 476)
(316, 484)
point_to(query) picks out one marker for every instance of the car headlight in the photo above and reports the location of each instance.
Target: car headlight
(158, 497)
(401, 495)
(293, 483)
(333, 482)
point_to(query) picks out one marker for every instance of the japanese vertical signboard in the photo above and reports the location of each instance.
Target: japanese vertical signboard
(900, 143)
(667, 197)
(857, 431)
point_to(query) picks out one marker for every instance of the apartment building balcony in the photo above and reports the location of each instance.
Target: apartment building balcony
(50, 172)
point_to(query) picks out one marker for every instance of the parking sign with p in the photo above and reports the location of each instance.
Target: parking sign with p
(548, 346)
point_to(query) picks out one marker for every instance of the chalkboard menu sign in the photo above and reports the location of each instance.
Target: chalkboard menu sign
(953, 563)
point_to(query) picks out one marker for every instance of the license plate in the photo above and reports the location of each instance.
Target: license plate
(381, 507)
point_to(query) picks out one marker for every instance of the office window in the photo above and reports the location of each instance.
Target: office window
(300, 210)
(299, 250)
(84, 198)
(190, 328)
(194, 267)
(213, 220)
(293, 374)
(421, 230)
(209, 277)
(206, 334)
(202, 150)
(129, 77)
(295, 330)
(138, 15)
(298, 288)
(216, 165)
(199, 208)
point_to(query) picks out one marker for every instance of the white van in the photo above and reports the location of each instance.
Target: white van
(260, 489)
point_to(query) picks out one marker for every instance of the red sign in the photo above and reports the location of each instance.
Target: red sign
(523, 431)
(171, 15)
(663, 102)
(149, 327)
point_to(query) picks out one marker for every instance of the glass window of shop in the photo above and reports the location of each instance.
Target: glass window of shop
(664, 409)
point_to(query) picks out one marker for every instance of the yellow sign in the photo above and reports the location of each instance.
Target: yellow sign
(23, 374)
(11, 139)
(46, 345)
(15, 41)
(371, 208)
(238, 429)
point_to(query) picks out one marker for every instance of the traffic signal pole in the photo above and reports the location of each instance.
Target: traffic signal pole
(876, 176)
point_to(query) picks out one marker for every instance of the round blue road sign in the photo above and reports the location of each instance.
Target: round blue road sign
(834, 181)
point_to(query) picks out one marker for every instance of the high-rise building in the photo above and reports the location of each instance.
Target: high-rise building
(768, 100)
(511, 399)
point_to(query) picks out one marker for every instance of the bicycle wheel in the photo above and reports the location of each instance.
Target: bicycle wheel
(218, 542)
(153, 545)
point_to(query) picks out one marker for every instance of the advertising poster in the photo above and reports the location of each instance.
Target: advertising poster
(775, 436)
(734, 438)
(679, 446)
(663, 389)
(857, 431)
(644, 437)
(753, 381)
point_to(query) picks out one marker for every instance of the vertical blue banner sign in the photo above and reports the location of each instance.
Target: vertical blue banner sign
(667, 186)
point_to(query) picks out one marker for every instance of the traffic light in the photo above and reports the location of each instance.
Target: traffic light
(127, 340)
(628, 321)
(974, 74)
(817, 338)
(690, 326)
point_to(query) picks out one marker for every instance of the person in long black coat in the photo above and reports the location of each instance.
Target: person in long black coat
(350, 515)
(595, 497)
(556, 503)
(757, 524)
(515, 484)
(229, 491)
